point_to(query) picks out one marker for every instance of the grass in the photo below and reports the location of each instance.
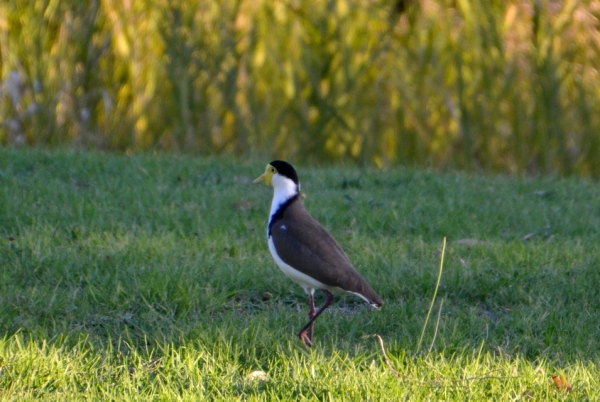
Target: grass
(148, 277)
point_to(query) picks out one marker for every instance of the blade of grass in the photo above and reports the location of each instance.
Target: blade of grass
(437, 285)
(437, 325)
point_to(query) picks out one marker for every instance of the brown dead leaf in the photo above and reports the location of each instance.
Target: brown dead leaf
(561, 383)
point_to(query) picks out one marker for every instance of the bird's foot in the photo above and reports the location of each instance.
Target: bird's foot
(303, 335)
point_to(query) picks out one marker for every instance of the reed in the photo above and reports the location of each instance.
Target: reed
(486, 86)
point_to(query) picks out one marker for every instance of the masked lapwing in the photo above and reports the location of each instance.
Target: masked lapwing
(304, 250)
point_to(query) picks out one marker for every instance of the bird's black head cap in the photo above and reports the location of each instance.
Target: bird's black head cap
(285, 169)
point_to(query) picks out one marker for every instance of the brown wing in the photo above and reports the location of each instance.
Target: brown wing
(305, 245)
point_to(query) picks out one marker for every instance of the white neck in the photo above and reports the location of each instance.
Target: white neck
(284, 189)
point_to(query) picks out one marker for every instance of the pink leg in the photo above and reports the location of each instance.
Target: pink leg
(304, 337)
(311, 314)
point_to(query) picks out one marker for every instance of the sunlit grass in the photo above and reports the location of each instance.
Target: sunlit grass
(148, 277)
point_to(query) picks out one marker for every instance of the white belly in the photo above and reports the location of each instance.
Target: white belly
(303, 280)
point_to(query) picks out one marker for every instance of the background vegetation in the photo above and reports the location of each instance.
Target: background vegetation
(148, 277)
(507, 86)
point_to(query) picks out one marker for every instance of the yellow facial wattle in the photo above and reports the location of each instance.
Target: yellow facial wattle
(266, 176)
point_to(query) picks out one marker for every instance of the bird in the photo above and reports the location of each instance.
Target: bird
(305, 251)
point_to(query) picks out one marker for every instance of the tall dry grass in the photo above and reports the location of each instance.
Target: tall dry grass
(492, 86)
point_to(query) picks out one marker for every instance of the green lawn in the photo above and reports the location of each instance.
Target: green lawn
(148, 277)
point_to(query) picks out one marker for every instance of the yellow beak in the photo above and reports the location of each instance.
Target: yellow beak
(266, 176)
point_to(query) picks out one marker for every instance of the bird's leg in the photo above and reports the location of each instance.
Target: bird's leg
(311, 313)
(303, 332)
